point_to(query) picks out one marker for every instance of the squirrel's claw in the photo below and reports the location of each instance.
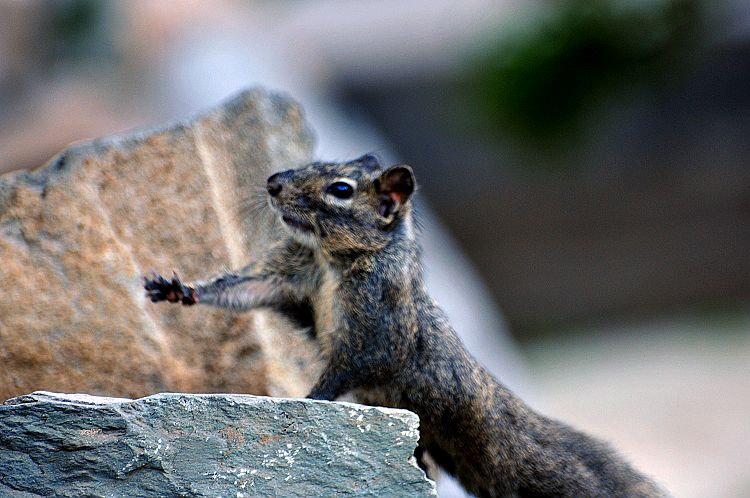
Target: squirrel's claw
(159, 288)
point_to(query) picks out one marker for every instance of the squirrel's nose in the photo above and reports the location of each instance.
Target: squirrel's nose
(273, 186)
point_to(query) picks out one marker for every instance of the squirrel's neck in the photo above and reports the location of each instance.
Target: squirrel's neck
(401, 247)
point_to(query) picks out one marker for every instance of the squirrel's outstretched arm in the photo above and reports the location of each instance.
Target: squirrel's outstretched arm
(230, 291)
(285, 274)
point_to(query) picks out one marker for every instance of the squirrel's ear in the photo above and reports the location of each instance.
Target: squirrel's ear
(395, 185)
(369, 161)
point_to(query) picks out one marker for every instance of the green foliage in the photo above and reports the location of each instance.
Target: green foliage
(541, 83)
(72, 20)
(79, 30)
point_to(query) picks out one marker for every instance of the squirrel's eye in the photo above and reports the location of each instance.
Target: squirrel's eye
(342, 190)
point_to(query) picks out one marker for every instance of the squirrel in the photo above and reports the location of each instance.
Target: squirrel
(351, 262)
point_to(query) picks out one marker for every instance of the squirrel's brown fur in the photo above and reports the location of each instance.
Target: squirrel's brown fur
(352, 261)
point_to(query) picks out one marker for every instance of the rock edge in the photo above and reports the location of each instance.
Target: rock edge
(205, 445)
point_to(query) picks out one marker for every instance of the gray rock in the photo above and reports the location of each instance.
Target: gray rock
(205, 445)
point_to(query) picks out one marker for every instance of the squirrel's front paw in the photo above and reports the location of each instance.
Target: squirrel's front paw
(159, 288)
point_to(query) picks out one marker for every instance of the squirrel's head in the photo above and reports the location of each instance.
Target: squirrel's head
(344, 207)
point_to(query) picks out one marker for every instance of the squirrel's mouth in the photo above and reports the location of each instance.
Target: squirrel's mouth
(297, 224)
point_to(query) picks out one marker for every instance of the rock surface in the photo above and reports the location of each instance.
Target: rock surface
(77, 235)
(205, 445)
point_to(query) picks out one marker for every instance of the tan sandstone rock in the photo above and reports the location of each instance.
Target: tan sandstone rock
(77, 235)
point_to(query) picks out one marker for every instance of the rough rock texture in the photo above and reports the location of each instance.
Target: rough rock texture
(205, 445)
(77, 235)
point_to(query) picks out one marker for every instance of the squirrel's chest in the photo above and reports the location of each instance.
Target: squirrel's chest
(327, 310)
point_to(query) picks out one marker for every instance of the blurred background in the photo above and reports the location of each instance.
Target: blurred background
(591, 158)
